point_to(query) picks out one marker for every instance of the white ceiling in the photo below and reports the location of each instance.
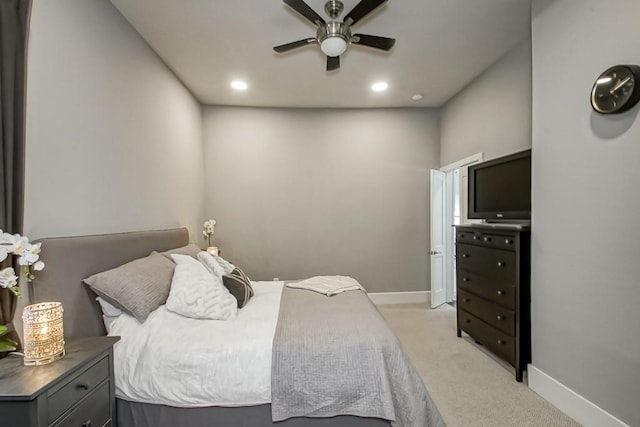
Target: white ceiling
(441, 46)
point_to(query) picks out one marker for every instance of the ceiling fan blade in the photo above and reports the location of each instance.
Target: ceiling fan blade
(303, 9)
(383, 43)
(333, 63)
(293, 45)
(362, 9)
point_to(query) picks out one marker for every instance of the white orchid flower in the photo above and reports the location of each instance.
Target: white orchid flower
(208, 227)
(5, 238)
(11, 239)
(8, 278)
(14, 243)
(30, 254)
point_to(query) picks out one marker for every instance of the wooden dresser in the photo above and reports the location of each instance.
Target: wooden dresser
(77, 390)
(493, 290)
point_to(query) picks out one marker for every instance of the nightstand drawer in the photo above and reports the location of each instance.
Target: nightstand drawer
(80, 386)
(94, 411)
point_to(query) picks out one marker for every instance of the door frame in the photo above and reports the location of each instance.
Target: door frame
(449, 204)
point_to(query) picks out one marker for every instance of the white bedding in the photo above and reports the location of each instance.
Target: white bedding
(178, 361)
(328, 285)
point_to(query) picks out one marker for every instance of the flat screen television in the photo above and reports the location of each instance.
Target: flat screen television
(500, 189)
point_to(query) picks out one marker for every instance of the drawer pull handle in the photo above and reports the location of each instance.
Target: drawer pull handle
(82, 386)
(467, 320)
(475, 237)
(500, 292)
(461, 236)
(501, 264)
(465, 255)
(465, 299)
(501, 342)
(487, 239)
(465, 279)
(499, 317)
(86, 423)
(508, 242)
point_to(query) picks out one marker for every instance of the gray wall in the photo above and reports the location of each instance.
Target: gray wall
(493, 113)
(114, 140)
(298, 193)
(586, 239)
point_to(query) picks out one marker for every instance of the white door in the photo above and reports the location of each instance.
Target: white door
(438, 238)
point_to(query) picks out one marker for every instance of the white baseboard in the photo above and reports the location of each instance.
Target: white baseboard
(380, 298)
(568, 401)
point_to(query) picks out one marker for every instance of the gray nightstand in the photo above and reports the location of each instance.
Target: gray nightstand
(77, 390)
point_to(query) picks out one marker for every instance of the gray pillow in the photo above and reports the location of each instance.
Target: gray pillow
(239, 286)
(137, 287)
(191, 249)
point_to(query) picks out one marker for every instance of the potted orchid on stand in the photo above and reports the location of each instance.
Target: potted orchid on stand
(29, 261)
(208, 229)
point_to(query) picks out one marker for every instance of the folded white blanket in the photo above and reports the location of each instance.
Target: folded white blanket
(328, 285)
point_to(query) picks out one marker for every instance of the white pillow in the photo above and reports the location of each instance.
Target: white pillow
(108, 309)
(110, 313)
(198, 294)
(184, 259)
(218, 266)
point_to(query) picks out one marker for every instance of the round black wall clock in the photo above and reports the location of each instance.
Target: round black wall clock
(616, 90)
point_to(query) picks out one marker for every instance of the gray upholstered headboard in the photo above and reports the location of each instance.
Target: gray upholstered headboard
(69, 260)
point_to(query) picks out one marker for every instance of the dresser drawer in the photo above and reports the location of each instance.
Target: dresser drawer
(469, 257)
(94, 411)
(80, 386)
(499, 292)
(498, 342)
(491, 313)
(498, 264)
(468, 236)
(499, 241)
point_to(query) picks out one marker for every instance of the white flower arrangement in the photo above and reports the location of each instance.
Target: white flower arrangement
(208, 230)
(29, 257)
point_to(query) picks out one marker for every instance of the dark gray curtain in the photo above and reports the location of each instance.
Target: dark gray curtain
(14, 25)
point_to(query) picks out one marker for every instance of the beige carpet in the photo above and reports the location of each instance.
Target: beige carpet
(469, 387)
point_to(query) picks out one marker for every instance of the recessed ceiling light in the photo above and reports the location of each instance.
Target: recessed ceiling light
(379, 86)
(239, 85)
(417, 97)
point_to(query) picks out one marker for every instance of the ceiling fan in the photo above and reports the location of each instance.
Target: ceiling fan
(334, 36)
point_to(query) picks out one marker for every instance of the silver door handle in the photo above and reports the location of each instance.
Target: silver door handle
(433, 252)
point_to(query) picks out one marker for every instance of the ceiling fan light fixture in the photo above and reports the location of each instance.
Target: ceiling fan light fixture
(333, 45)
(333, 36)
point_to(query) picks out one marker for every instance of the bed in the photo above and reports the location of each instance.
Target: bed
(338, 355)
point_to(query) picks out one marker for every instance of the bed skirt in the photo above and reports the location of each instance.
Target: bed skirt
(132, 414)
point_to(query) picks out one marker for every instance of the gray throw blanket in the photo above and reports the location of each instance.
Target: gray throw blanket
(337, 356)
